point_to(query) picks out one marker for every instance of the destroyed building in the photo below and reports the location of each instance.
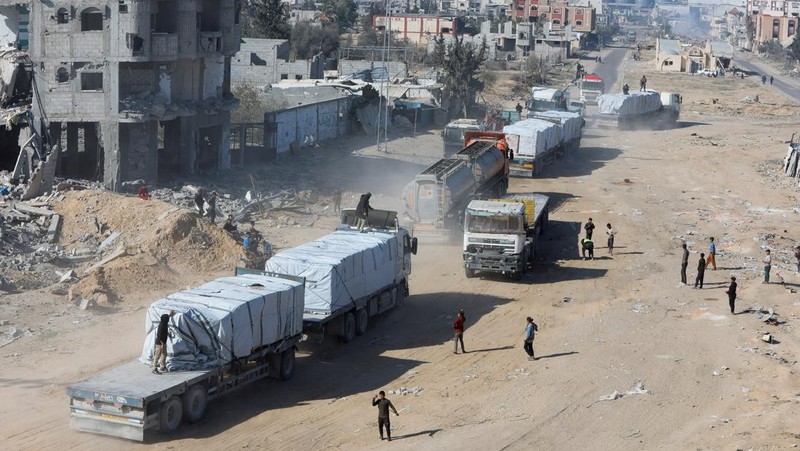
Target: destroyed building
(134, 89)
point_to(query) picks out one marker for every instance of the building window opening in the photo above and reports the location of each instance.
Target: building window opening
(284, 76)
(298, 77)
(166, 20)
(135, 43)
(62, 16)
(62, 75)
(209, 18)
(123, 7)
(91, 81)
(91, 20)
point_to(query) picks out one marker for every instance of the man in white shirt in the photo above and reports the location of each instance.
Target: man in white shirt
(767, 266)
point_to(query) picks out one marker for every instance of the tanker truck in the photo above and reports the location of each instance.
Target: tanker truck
(648, 110)
(435, 200)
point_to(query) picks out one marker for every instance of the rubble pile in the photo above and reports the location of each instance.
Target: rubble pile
(791, 162)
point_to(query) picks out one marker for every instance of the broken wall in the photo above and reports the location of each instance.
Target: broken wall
(397, 69)
(308, 124)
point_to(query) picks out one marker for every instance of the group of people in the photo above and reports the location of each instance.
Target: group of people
(642, 86)
(710, 261)
(587, 245)
(764, 79)
(200, 200)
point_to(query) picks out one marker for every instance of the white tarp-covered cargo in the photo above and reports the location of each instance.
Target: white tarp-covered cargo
(571, 123)
(635, 103)
(533, 137)
(227, 318)
(341, 267)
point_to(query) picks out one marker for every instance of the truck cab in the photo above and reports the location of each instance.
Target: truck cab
(592, 86)
(546, 99)
(672, 101)
(453, 135)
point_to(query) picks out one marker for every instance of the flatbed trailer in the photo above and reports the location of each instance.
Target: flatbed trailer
(128, 401)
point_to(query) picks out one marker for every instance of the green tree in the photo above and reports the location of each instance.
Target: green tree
(267, 19)
(459, 64)
(251, 106)
(307, 40)
(345, 12)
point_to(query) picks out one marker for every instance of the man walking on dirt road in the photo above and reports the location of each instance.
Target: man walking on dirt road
(684, 263)
(530, 334)
(701, 271)
(712, 254)
(458, 327)
(383, 413)
(732, 293)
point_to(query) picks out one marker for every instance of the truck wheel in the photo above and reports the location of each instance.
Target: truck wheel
(171, 414)
(362, 320)
(195, 401)
(469, 272)
(287, 365)
(516, 275)
(348, 328)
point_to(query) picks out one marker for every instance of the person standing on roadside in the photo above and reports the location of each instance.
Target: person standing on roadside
(589, 227)
(767, 266)
(610, 233)
(383, 413)
(458, 327)
(771, 80)
(530, 334)
(199, 201)
(643, 84)
(797, 256)
(337, 200)
(711, 260)
(701, 271)
(684, 263)
(732, 293)
(212, 207)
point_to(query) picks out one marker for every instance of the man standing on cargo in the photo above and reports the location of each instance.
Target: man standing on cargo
(362, 211)
(684, 263)
(383, 413)
(530, 333)
(162, 333)
(458, 327)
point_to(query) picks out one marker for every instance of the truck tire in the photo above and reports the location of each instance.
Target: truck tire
(362, 320)
(194, 401)
(287, 364)
(348, 328)
(469, 272)
(171, 414)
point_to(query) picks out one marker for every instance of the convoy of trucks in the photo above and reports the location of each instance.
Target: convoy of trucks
(435, 200)
(639, 109)
(237, 330)
(501, 235)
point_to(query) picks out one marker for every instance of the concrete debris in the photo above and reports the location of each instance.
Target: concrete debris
(85, 304)
(611, 396)
(406, 391)
(767, 338)
(68, 276)
(109, 240)
(638, 389)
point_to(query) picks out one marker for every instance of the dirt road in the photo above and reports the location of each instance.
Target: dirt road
(690, 375)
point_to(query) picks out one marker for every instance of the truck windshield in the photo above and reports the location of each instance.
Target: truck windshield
(494, 224)
(455, 135)
(593, 85)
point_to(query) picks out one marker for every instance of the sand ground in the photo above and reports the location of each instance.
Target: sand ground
(605, 325)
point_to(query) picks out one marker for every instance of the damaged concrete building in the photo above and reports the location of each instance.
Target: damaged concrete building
(134, 89)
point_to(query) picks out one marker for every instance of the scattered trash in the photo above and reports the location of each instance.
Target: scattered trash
(715, 373)
(610, 397)
(567, 299)
(766, 338)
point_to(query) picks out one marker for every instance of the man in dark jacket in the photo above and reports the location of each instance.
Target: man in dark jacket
(684, 263)
(701, 271)
(200, 201)
(458, 327)
(362, 210)
(589, 227)
(383, 413)
(732, 293)
(162, 333)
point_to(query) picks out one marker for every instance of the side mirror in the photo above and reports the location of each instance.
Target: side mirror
(414, 245)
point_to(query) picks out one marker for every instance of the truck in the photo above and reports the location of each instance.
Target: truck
(436, 198)
(453, 135)
(224, 334)
(552, 99)
(592, 86)
(351, 275)
(501, 235)
(648, 110)
(571, 127)
(533, 144)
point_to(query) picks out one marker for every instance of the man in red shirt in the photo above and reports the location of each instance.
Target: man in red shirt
(458, 327)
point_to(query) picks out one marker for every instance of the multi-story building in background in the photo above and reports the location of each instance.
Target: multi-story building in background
(135, 89)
